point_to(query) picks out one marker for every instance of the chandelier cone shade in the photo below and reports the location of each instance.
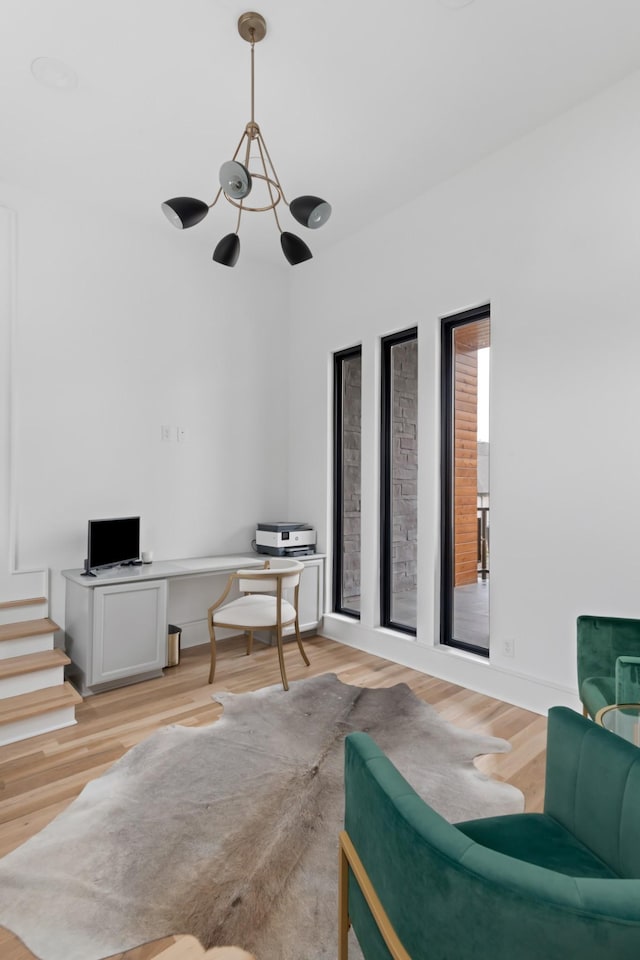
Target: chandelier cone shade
(311, 212)
(294, 249)
(228, 250)
(238, 181)
(184, 212)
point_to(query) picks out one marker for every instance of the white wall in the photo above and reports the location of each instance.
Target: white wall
(121, 326)
(548, 231)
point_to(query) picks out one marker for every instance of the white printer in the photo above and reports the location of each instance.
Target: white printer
(285, 539)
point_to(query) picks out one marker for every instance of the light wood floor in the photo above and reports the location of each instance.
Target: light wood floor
(39, 777)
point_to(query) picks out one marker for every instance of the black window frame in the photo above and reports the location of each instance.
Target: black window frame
(386, 480)
(338, 479)
(447, 514)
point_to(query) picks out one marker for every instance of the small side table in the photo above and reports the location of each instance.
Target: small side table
(623, 719)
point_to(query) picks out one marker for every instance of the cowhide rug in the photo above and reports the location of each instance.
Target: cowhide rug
(229, 832)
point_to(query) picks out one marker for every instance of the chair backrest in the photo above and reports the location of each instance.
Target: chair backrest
(593, 788)
(264, 581)
(628, 679)
(601, 640)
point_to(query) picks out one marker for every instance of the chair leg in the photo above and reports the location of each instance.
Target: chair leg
(212, 670)
(249, 642)
(283, 672)
(300, 647)
(343, 906)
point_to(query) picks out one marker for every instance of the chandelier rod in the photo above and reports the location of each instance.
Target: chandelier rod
(253, 44)
(217, 196)
(266, 150)
(266, 176)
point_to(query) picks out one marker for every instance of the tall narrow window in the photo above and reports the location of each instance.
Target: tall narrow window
(399, 481)
(347, 473)
(465, 565)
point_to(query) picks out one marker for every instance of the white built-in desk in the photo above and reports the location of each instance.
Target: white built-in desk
(116, 623)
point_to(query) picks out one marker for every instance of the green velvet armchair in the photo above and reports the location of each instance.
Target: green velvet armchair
(561, 884)
(608, 662)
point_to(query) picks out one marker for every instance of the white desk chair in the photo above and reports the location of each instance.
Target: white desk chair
(262, 607)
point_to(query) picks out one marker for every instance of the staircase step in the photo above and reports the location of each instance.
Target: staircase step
(32, 662)
(24, 637)
(32, 601)
(27, 628)
(41, 701)
(31, 714)
(11, 610)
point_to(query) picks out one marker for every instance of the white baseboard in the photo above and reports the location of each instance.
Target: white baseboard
(446, 663)
(197, 632)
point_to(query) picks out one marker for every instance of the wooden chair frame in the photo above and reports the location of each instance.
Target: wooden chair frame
(349, 860)
(270, 573)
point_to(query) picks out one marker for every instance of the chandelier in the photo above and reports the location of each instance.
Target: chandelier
(237, 178)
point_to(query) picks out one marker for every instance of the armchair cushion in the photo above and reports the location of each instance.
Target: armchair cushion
(255, 610)
(539, 839)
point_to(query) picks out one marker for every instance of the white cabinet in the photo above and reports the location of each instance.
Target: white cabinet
(310, 594)
(115, 633)
(129, 630)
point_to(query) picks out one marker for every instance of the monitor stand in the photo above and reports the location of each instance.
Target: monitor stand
(87, 572)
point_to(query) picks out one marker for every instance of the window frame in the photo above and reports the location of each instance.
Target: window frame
(338, 479)
(447, 506)
(386, 479)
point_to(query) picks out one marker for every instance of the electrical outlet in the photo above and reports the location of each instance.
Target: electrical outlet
(508, 648)
(181, 434)
(165, 433)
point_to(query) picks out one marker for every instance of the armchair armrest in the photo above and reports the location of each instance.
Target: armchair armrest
(628, 680)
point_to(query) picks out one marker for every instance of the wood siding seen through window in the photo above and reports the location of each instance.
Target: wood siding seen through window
(467, 341)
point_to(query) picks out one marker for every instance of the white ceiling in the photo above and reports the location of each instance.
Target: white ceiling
(364, 104)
